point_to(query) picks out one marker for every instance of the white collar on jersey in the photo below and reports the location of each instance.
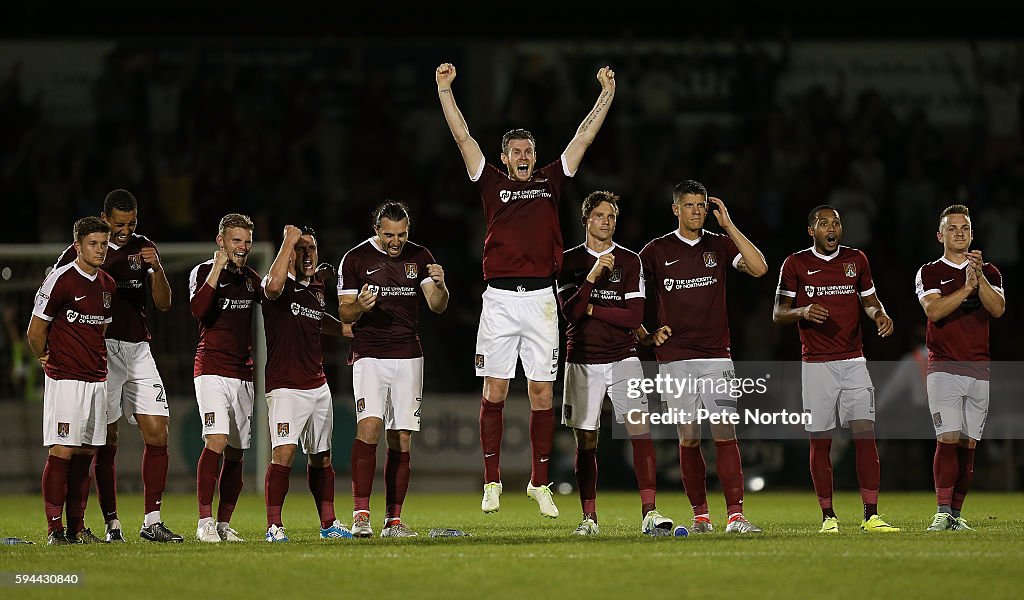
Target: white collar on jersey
(113, 245)
(84, 274)
(953, 264)
(825, 257)
(601, 253)
(690, 242)
(297, 282)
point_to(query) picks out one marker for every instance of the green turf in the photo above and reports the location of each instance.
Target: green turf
(515, 552)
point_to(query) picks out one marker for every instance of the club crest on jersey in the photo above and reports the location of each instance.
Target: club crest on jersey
(135, 262)
(504, 196)
(320, 298)
(850, 269)
(63, 430)
(282, 430)
(668, 283)
(248, 284)
(937, 419)
(360, 405)
(710, 260)
(209, 419)
(410, 271)
(106, 299)
(72, 316)
(295, 308)
(225, 303)
(810, 290)
(478, 361)
(616, 275)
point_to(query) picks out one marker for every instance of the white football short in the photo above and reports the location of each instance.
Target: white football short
(74, 412)
(842, 386)
(134, 385)
(306, 415)
(521, 325)
(390, 389)
(700, 382)
(958, 403)
(225, 408)
(587, 385)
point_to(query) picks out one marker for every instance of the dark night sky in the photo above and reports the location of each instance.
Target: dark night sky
(805, 20)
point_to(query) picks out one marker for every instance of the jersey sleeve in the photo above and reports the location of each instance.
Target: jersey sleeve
(994, 276)
(348, 276)
(49, 298)
(647, 261)
(426, 258)
(201, 296)
(865, 282)
(788, 282)
(926, 282)
(635, 284)
(731, 251)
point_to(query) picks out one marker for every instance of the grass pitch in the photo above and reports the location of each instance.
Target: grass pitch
(515, 552)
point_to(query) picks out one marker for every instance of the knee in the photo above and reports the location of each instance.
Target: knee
(321, 460)
(217, 443)
(495, 390)
(586, 440)
(368, 430)
(284, 455)
(540, 395)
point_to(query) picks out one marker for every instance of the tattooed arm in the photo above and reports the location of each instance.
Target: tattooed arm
(595, 118)
(471, 153)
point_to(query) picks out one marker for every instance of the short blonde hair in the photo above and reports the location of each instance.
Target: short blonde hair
(234, 220)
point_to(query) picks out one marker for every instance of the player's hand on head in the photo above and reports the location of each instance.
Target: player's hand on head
(884, 323)
(721, 213)
(606, 76)
(436, 272)
(815, 313)
(445, 74)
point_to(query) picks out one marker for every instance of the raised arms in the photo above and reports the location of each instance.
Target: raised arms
(588, 129)
(470, 149)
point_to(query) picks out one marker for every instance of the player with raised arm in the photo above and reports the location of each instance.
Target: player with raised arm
(134, 386)
(299, 401)
(223, 292)
(379, 283)
(687, 268)
(960, 294)
(522, 254)
(601, 291)
(822, 289)
(66, 334)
